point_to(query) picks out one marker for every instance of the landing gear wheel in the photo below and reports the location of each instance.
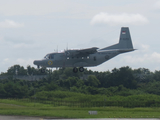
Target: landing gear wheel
(75, 70)
(43, 70)
(81, 69)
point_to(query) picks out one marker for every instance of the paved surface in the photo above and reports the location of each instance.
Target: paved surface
(39, 118)
(111, 119)
(19, 118)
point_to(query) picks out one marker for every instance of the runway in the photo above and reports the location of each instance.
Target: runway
(2, 117)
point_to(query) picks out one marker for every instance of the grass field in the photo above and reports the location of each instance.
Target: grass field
(18, 107)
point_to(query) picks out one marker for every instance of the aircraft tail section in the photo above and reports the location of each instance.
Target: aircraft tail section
(125, 41)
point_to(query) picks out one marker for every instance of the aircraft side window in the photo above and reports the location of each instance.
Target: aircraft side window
(94, 58)
(49, 57)
(52, 56)
(67, 57)
(87, 57)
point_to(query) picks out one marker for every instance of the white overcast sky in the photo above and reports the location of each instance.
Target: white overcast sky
(29, 29)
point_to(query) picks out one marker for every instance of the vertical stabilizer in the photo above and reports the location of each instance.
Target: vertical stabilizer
(125, 41)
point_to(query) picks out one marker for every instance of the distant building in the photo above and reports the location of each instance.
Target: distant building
(24, 77)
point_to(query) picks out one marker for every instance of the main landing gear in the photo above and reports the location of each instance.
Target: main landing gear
(75, 70)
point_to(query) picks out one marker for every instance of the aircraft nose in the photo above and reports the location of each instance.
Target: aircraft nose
(37, 62)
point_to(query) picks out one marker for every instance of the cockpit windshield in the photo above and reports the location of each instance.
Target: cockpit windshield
(46, 57)
(49, 56)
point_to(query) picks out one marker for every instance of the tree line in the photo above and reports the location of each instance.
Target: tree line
(123, 81)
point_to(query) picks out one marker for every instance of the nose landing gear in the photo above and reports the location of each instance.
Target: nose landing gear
(75, 70)
(43, 70)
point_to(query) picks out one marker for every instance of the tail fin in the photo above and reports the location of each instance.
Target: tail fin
(125, 41)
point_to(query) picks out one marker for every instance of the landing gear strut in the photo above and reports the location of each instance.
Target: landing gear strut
(43, 70)
(75, 70)
(38, 66)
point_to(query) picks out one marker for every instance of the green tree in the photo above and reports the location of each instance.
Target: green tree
(123, 76)
(17, 70)
(15, 90)
(153, 88)
(103, 78)
(2, 91)
(156, 75)
(51, 86)
(70, 82)
(92, 81)
(143, 75)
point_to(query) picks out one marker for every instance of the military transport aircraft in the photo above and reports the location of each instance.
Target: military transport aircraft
(87, 57)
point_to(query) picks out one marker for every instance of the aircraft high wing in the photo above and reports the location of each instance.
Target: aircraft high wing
(87, 57)
(81, 52)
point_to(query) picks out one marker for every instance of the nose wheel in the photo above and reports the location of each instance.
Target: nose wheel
(75, 70)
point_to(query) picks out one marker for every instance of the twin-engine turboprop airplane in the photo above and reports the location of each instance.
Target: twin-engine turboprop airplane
(87, 57)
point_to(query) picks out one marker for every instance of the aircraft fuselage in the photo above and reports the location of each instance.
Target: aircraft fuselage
(88, 57)
(62, 60)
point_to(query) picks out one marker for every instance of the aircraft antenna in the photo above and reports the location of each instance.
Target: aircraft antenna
(67, 46)
(57, 48)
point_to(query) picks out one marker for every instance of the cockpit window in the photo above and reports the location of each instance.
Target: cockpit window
(46, 57)
(49, 56)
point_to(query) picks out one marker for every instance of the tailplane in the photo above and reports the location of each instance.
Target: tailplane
(125, 41)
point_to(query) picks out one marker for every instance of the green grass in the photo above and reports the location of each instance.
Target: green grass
(18, 107)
